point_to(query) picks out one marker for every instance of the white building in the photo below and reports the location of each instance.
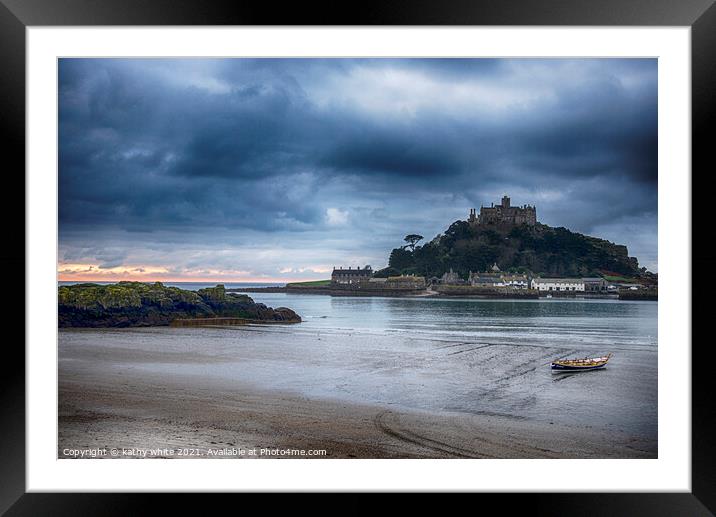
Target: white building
(516, 281)
(558, 284)
(498, 280)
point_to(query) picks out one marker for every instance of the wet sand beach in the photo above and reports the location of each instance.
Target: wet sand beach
(353, 393)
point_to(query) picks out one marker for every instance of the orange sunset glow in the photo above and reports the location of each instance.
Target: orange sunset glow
(75, 272)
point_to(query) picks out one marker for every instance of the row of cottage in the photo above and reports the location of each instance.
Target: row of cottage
(492, 279)
(363, 279)
(497, 279)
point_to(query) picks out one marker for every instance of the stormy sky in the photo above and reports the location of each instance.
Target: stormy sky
(279, 169)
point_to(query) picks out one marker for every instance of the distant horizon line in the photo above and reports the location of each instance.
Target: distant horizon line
(191, 281)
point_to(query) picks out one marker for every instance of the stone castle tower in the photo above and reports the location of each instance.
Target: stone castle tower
(504, 214)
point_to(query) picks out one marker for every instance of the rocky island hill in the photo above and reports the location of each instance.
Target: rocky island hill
(137, 304)
(513, 238)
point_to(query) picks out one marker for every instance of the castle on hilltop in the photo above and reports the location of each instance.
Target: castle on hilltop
(504, 214)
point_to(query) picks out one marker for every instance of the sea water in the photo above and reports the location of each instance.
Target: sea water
(435, 354)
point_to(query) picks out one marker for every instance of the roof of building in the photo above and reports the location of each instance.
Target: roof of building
(559, 280)
(353, 271)
(406, 278)
(500, 207)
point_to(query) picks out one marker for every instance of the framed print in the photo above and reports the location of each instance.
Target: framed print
(416, 250)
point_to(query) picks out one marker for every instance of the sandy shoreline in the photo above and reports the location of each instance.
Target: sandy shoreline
(106, 402)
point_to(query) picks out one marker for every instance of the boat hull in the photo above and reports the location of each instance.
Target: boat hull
(559, 368)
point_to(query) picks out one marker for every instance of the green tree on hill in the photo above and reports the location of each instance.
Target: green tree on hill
(412, 240)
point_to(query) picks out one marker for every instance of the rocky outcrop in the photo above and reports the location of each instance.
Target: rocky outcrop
(137, 304)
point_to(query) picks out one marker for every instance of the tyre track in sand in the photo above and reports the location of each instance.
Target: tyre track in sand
(423, 441)
(507, 449)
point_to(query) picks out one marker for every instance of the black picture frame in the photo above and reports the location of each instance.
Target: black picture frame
(700, 15)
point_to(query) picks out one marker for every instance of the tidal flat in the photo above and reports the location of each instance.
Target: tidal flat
(371, 378)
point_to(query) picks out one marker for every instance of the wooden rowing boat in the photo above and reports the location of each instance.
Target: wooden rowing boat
(580, 365)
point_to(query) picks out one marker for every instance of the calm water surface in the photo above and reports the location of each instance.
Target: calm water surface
(590, 324)
(463, 355)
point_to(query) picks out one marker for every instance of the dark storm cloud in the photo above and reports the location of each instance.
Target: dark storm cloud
(414, 153)
(598, 130)
(294, 146)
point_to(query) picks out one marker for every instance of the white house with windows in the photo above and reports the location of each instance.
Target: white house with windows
(495, 280)
(558, 284)
(516, 281)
